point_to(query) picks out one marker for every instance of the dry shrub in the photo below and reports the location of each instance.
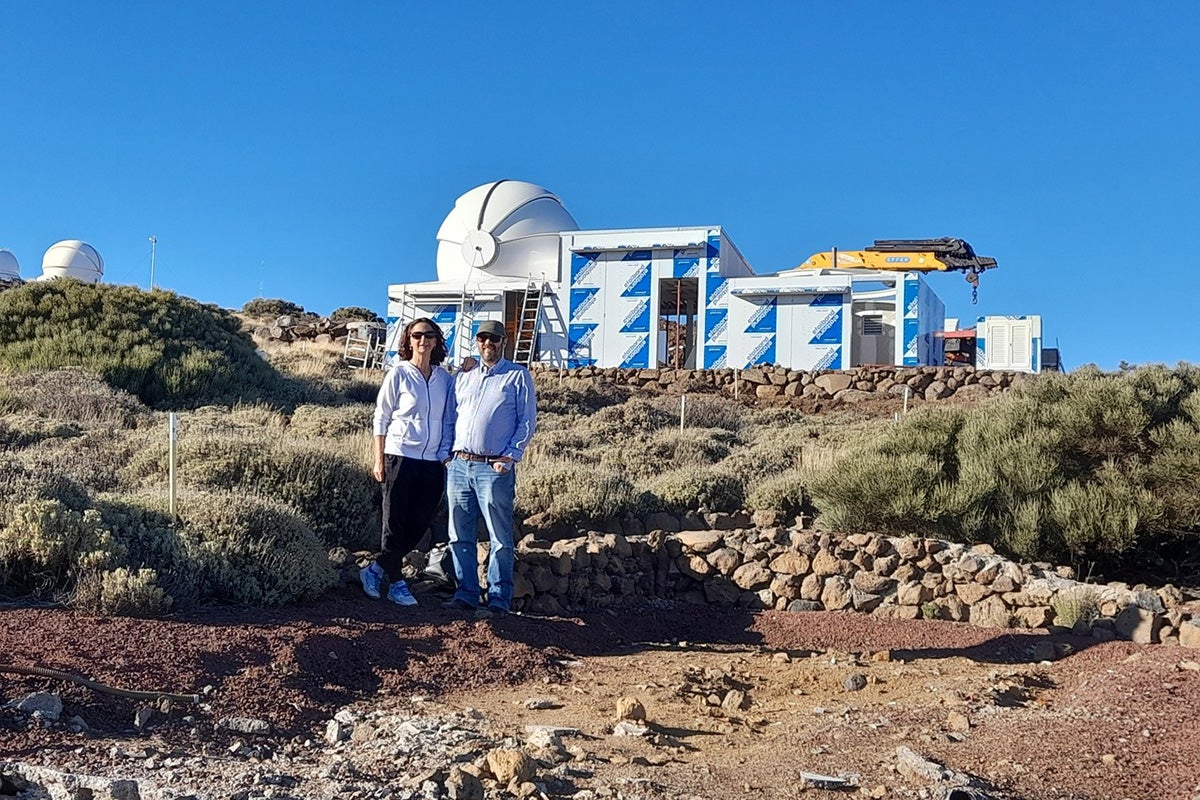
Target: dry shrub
(328, 422)
(708, 411)
(332, 489)
(45, 546)
(1072, 606)
(665, 449)
(573, 492)
(575, 396)
(697, 489)
(250, 550)
(74, 395)
(786, 493)
(122, 592)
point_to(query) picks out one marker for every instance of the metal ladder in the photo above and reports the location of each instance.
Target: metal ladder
(464, 334)
(525, 346)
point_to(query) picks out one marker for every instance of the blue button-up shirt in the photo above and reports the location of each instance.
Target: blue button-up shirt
(497, 410)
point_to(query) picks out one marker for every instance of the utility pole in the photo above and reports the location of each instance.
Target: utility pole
(153, 244)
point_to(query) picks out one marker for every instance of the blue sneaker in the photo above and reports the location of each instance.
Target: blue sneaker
(400, 595)
(372, 580)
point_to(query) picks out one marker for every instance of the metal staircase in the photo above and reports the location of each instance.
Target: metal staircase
(530, 318)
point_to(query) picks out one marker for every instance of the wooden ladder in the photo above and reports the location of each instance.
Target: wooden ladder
(525, 347)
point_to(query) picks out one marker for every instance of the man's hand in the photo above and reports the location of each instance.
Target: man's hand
(377, 469)
(502, 464)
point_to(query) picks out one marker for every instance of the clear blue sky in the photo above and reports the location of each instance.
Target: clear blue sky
(312, 149)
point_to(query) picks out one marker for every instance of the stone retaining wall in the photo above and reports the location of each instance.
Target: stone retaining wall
(806, 570)
(849, 386)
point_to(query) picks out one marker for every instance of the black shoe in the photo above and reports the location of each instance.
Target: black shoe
(491, 612)
(455, 604)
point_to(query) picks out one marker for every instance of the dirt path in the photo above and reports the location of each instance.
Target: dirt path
(738, 704)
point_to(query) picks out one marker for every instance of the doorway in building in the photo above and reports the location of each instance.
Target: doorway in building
(873, 335)
(678, 304)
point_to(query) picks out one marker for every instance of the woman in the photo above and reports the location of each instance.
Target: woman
(414, 430)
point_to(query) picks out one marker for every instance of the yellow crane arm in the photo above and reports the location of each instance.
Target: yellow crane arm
(906, 255)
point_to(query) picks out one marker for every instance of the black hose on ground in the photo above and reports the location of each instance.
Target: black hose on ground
(43, 672)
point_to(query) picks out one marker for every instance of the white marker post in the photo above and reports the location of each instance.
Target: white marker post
(682, 410)
(172, 435)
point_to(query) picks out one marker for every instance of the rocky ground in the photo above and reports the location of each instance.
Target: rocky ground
(354, 698)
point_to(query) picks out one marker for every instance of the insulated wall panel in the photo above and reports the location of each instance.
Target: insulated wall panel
(585, 309)
(626, 285)
(819, 331)
(923, 315)
(715, 290)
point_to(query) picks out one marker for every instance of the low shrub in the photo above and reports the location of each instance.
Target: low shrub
(122, 592)
(573, 492)
(354, 314)
(333, 490)
(697, 489)
(46, 545)
(786, 494)
(574, 396)
(329, 422)
(250, 550)
(1087, 467)
(272, 307)
(1076, 605)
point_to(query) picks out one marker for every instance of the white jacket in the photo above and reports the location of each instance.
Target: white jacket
(416, 416)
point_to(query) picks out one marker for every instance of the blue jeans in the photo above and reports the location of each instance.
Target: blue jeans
(473, 488)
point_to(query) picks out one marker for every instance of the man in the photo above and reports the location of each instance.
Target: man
(497, 414)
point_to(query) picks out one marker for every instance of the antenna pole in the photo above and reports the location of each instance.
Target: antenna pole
(153, 246)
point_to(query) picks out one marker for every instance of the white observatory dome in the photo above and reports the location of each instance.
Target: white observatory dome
(72, 259)
(502, 230)
(10, 270)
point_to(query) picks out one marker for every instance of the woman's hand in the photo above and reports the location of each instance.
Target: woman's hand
(377, 469)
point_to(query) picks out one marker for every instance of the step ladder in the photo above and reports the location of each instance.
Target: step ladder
(364, 348)
(530, 318)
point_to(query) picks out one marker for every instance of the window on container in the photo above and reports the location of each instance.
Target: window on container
(872, 325)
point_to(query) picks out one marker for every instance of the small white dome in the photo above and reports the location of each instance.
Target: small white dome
(10, 270)
(502, 230)
(72, 258)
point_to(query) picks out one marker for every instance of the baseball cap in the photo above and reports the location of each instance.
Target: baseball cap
(490, 326)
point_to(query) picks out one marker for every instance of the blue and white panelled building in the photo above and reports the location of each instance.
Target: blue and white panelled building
(651, 297)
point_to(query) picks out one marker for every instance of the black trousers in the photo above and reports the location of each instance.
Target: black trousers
(412, 489)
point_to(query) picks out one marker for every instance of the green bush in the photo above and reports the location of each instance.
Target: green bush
(1087, 467)
(272, 307)
(354, 314)
(169, 351)
(246, 549)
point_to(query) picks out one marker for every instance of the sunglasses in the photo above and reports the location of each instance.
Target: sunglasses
(488, 337)
(423, 335)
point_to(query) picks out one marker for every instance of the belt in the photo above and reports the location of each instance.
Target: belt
(478, 459)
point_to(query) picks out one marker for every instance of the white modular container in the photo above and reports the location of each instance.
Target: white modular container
(1013, 344)
(800, 323)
